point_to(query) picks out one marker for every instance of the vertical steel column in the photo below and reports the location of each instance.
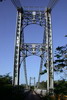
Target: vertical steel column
(42, 57)
(49, 52)
(34, 82)
(25, 72)
(30, 82)
(24, 61)
(17, 48)
(41, 64)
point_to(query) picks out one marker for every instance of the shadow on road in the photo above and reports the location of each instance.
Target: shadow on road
(32, 96)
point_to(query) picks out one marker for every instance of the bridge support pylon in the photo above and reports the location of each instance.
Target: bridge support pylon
(17, 48)
(49, 52)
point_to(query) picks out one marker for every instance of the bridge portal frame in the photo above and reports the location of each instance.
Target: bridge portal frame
(24, 18)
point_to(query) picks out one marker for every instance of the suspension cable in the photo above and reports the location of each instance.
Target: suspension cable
(52, 3)
(16, 3)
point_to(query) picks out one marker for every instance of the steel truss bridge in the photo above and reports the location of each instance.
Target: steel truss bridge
(43, 50)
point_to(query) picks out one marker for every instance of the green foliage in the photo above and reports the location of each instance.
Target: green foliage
(60, 58)
(43, 85)
(5, 80)
(43, 72)
(65, 35)
(31, 87)
(60, 62)
(8, 91)
(61, 87)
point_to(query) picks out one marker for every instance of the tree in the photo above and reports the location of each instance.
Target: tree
(5, 79)
(60, 62)
(60, 87)
(42, 85)
(8, 91)
(65, 35)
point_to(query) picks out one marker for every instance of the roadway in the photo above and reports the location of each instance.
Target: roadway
(32, 96)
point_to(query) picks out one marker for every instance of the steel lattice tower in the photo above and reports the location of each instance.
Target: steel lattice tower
(43, 50)
(23, 50)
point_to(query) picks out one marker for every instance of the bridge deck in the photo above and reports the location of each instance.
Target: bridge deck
(32, 96)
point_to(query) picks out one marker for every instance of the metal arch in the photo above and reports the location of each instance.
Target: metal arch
(32, 24)
(25, 56)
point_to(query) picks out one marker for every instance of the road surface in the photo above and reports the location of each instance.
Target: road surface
(32, 96)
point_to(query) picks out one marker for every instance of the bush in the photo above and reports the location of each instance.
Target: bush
(61, 87)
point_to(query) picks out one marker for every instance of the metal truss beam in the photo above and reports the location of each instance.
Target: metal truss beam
(30, 49)
(49, 52)
(33, 17)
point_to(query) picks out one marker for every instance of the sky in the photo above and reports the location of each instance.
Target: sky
(32, 33)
